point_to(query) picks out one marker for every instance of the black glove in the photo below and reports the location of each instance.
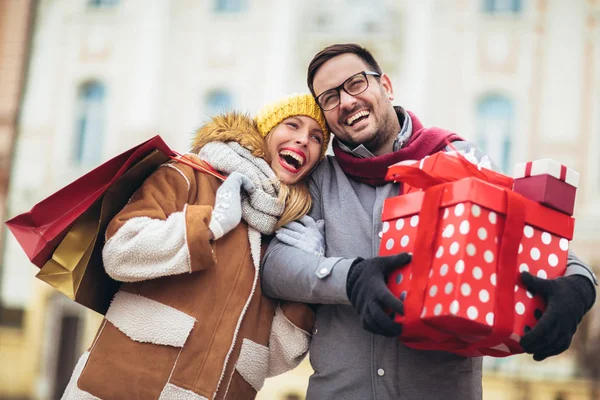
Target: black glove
(368, 293)
(568, 298)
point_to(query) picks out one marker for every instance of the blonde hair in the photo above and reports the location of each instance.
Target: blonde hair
(241, 128)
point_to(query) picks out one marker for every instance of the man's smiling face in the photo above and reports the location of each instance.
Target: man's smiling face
(367, 118)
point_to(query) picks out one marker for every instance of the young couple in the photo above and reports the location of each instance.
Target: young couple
(191, 320)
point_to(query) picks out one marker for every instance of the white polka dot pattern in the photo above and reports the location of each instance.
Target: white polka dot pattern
(454, 247)
(454, 307)
(440, 252)
(404, 241)
(484, 296)
(464, 227)
(386, 226)
(414, 221)
(463, 277)
(444, 270)
(449, 231)
(389, 244)
(400, 224)
(482, 233)
(471, 249)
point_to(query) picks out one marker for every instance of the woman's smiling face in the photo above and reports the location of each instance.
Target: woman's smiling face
(295, 147)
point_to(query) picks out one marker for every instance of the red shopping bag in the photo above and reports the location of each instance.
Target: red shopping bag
(63, 233)
(40, 230)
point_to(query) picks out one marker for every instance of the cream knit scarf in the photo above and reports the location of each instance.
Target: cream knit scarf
(261, 209)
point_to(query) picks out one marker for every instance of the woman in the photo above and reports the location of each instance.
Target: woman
(190, 320)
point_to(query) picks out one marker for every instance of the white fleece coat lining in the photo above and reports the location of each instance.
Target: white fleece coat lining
(72, 391)
(146, 320)
(288, 345)
(146, 248)
(254, 238)
(172, 392)
(253, 362)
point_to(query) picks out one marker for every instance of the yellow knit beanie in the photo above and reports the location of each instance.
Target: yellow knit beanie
(297, 104)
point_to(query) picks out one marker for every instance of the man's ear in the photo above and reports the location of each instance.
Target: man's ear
(387, 86)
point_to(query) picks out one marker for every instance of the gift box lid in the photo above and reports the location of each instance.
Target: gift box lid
(547, 167)
(484, 194)
(446, 167)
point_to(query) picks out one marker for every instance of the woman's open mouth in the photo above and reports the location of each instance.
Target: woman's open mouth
(292, 160)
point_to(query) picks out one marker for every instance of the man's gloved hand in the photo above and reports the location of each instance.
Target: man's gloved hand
(227, 213)
(568, 298)
(368, 293)
(305, 234)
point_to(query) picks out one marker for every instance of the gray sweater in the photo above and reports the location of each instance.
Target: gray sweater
(349, 362)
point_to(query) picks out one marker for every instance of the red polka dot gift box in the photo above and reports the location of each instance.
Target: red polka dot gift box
(547, 182)
(470, 239)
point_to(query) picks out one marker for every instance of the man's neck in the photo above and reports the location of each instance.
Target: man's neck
(388, 146)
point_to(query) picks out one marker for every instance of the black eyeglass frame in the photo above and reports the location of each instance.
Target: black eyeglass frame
(339, 88)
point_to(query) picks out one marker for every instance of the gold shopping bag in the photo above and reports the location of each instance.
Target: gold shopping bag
(75, 267)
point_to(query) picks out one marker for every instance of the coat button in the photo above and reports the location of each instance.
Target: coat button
(323, 271)
(380, 234)
(380, 372)
(315, 331)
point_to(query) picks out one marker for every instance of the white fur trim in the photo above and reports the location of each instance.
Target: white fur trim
(145, 248)
(253, 363)
(254, 239)
(72, 391)
(172, 392)
(288, 345)
(146, 320)
(181, 172)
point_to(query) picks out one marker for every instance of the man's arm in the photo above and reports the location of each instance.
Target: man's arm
(291, 274)
(577, 267)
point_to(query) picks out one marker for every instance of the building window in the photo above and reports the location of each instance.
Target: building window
(90, 124)
(217, 102)
(495, 119)
(102, 3)
(502, 6)
(230, 6)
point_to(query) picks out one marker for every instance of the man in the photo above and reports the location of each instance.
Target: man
(348, 284)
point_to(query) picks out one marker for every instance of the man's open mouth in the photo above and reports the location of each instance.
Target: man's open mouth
(291, 160)
(359, 116)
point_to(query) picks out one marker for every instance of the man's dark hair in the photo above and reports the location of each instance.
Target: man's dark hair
(335, 50)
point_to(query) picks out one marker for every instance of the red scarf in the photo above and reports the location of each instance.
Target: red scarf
(372, 170)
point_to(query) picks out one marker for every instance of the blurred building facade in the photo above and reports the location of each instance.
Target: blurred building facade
(15, 27)
(519, 77)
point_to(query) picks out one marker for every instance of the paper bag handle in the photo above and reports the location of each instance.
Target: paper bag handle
(203, 166)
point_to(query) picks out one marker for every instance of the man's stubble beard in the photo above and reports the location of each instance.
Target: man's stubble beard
(374, 141)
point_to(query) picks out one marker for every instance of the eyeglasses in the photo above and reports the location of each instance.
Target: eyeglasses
(356, 84)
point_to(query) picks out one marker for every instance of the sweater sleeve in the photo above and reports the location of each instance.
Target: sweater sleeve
(292, 274)
(577, 267)
(158, 233)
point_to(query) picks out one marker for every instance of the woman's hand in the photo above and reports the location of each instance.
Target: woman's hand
(227, 213)
(305, 234)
